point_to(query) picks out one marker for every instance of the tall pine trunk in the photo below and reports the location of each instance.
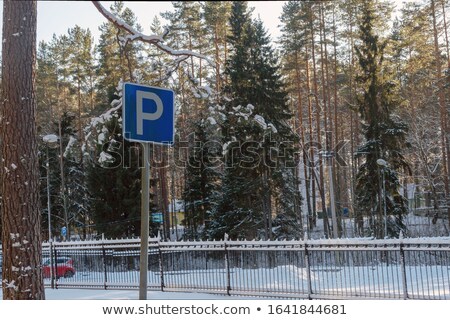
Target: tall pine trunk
(444, 17)
(217, 58)
(354, 129)
(320, 180)
(442, 107)
(301, 133)
(21, 233)
(340, 173)
(312, 218)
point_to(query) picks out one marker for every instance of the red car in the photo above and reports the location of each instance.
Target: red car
(64, 268)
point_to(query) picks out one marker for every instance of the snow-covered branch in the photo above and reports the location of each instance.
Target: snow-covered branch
(156, 40)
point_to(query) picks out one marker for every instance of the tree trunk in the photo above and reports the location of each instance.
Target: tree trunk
(447, 124)
(444, 17)
(217, 57)
(301, 133)
(354, 129)
(21, 234)
(164, 194)
(320, 182)
(339, 172)
(312, 217)
(442, 107)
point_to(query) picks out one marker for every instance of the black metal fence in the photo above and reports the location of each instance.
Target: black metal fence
(313, 269)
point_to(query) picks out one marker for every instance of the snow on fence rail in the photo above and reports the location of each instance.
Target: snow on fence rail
(322, 269)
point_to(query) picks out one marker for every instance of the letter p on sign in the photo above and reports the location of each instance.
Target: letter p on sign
(148, 114)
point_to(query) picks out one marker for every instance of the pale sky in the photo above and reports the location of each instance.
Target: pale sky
(58, 16)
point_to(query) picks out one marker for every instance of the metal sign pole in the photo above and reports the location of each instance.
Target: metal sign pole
(142, 125)
(145, 183)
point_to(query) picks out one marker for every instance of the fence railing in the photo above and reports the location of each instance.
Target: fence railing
(387, 269)
(312, 269)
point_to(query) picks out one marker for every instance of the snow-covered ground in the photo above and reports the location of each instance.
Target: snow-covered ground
(90, 294)
(375, 281)
(416, 225)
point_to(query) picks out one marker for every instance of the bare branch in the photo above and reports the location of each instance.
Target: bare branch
(156, 40)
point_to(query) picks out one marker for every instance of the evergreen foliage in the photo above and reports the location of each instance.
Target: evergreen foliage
(385, 135)
(117, 59)
(116, 204)
(256, 137)
(201, 180)
(79, 213)
(343, 77)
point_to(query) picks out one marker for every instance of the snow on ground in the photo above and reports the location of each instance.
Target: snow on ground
(416, 225)
(90, 294)
(370, 281)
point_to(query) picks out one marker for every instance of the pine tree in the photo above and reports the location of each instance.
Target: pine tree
(115, 188)
(443, 107)
(217, 14)
(81, 67)
(271, 103)
(415, 67)
(116, 59)
(77, 208)
(46, 86)
(254, 125)
(21, 233)
(73, 166)
(64, 89)
(294, 39)
(201, 180)
(113, 176)
(377, 187)
(236, 213)
(114, 181)
(113, 173)
(192, 83)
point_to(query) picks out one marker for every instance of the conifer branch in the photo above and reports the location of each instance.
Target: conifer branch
(156, 40)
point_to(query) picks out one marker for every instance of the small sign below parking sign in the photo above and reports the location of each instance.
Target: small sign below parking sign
(148, 114)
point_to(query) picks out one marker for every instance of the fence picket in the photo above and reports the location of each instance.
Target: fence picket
(227, 268)
(403, 268)
(308, 272)
(161, 266)
(382, 269)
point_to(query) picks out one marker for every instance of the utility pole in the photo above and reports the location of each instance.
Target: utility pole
(52, 279)
(50, 139)
(63, 180)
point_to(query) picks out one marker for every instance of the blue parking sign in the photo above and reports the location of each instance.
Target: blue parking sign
(148, 114)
